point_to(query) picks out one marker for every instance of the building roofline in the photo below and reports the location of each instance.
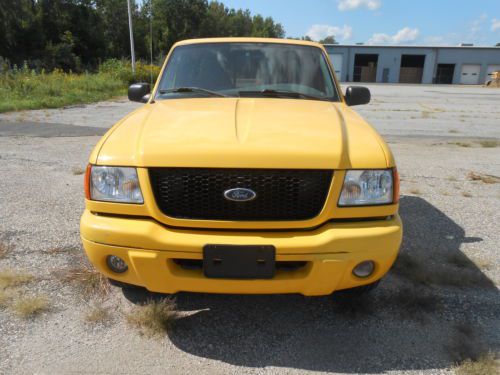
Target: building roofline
(410, 46)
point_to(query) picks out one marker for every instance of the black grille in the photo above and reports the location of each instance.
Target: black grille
(282, 194)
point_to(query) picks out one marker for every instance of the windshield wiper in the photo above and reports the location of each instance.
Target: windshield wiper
(278, 93)
(189, 90)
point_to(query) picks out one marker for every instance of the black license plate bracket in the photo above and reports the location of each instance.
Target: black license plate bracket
(239, 261)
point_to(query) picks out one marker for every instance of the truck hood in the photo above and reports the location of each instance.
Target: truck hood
(243, 133)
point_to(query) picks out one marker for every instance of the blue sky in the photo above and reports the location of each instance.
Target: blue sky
(435, 22)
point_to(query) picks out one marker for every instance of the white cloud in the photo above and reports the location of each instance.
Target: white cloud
(355, 4)
(495, 24)
(474, 32)
(318, 32)
(476, 24)
(405, 35)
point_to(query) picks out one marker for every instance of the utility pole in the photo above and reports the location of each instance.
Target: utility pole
(132, 50)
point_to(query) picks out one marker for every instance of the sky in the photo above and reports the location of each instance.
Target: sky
(392, 22)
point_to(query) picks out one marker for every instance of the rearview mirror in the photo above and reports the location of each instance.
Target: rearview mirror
(356, 95)
(139, 92)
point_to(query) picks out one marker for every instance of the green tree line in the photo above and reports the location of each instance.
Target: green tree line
(78, 35)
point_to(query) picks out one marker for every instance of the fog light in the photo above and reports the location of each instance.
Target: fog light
(116, 264)
(364, 269)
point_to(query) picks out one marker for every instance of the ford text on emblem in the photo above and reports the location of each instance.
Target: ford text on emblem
(240, 194)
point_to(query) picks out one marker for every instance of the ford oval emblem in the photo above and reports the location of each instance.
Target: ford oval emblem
(240, 194)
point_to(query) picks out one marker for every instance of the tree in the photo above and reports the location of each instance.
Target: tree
(61, 55)
(74, 34)
(328, 40)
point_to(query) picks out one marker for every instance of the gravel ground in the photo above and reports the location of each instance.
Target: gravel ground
(440, 304)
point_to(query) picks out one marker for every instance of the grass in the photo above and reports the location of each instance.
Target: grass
(154, 318)
(486, 178)
(453, 131)
(489, 143)
(466, 194)
(4, 250)
(12, 298)
(97, 314)
(87, 279)
(5, 297)
(415, 191)
(26, 89)
(485, 364)
(461, 144)
(10, 278)
(27, 307)
(77, 171)
(484, 264)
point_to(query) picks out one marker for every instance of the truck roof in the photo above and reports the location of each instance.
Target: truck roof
(248, 40)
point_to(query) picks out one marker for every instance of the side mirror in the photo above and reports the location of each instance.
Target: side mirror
(139, 92)
(356, 95)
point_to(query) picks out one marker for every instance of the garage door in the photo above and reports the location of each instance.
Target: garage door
(336, 59)
(490, 70)
(470, 74)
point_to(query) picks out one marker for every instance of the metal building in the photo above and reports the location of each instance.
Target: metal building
(464, 64)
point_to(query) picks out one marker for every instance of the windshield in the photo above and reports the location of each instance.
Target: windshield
(249, 70)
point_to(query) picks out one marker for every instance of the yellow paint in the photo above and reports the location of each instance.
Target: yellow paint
(242, 133)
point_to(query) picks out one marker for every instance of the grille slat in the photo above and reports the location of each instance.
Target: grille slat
(282, 194)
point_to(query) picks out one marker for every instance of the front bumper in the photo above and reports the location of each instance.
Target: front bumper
(330, 252)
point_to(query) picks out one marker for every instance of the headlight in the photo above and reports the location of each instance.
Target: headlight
(368, 187)
(113, 184)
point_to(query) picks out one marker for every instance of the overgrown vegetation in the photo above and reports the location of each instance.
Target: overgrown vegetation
(489, 143)
(27, 307)
(461, 144)
(485, 364)
(26, 89)
(86, 279)
(97, 314)
(486, 178)
(10, 278)
(14, 298)
(77, 171)
(153, 318)
(4, 249)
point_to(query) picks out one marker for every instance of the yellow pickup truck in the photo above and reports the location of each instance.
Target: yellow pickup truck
(245, 171)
